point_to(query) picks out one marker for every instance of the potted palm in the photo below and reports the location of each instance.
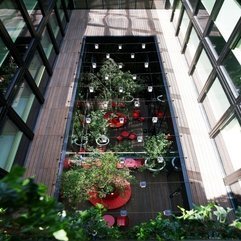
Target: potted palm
(156, 148)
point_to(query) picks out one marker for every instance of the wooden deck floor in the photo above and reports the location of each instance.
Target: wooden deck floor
(45, 152)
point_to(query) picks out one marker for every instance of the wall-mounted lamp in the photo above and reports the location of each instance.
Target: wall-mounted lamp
(94, 65)
(119, 46)
(91, 89)
(143, 46)
(150, 88)
(96, 46)
(146, 64)
(105, 104)
(134, 76)
(107, 55)
(120, 65)
(132, 55)
(106, 77)
(154, 119)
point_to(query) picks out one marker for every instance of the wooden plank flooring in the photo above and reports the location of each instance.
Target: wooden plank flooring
(45, 152)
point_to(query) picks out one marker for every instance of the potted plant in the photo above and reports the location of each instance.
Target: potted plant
(98, 127)
(156, 148)
(78, 182)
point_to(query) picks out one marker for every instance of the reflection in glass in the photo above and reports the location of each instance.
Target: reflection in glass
(215, 102)
(192, 46)
(177, 13)
(23, 101)
(202, 70)
(34, 11)
(10, 137)
(183, 27)
(54, 24)
(8, 67)
(232, 64)
(60, 10)
(37, 68)
(202, 16)
(46, 43)
(230, 139)
(15, 25)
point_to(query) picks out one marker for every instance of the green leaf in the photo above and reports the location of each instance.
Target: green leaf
(61, 235)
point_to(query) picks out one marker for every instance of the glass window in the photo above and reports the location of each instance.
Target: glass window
(34, 11)
(177, 13)
(46, 43)
(10, 138)
(183, 27)
(8, 67)
(37, 68)
(54, 24)
(15, 25)
(215, 102)
(229, 140)
(202, 70)
(23, 101)
(191, 46)
(232, 65)
(226, 21)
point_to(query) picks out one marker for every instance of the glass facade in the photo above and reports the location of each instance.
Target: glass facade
(183, 27)
(24, 72)
(217, 73)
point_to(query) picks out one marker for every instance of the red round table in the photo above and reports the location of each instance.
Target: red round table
(113, 202)
(109, 219)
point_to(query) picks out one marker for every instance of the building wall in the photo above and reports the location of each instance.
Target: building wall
(209, 33)
(31, 33)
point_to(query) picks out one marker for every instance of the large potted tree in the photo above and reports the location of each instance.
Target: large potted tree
(103, 179)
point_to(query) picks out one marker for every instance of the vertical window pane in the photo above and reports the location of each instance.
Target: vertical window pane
(37, 68)
(34, 11)
(183, 27)
(215, 102)
(10, 137)
(202, 70)
(192, 3)
(23, 101)
(8, 67)
(46, 43)
(232, 64)
(15, 25)
(54, 24)
(192, 46)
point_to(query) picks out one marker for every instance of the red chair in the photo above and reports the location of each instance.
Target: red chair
(122, 221)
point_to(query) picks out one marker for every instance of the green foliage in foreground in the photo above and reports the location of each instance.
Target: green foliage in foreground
(27, 213)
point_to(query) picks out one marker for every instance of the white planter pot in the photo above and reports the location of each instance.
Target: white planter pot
(102, 140)
(154, 169)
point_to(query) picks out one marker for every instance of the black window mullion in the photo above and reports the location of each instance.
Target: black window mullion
(65, 10)
(45, 60)
(52, 37)
(179, 20)
(59, 20)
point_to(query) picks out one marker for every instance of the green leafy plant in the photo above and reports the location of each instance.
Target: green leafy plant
(77, 183)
